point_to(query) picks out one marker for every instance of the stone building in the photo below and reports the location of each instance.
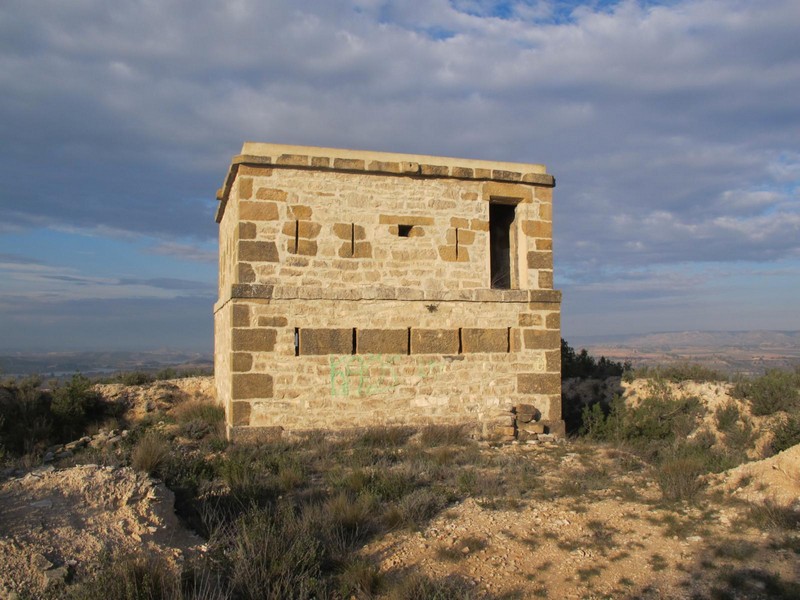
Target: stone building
(363, 288)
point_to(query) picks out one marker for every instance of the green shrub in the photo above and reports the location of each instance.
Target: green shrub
(773, 516)
(677, 372)
(74, 406)
(131, 577)
(417, 587)
(273, 555)
(150, 453)
(199, 418)
(679, 477)
(133, 378)
(774, 391)
(786, 433)
(737, 430)
(360, 579)
(658, 418)
(727, 416)
(585, 366)
(26, 418)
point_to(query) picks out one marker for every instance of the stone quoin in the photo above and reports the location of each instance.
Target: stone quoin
(365, 288)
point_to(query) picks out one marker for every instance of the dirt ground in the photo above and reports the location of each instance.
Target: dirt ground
(56, 524)
(613, 543)
(592, 525)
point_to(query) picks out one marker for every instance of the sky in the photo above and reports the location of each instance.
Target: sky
(672, 128)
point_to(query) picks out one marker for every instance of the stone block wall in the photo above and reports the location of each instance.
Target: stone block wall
(355, 289)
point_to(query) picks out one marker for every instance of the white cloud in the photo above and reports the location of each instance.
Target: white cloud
(672, 128)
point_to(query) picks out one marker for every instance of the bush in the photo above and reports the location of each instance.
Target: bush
(417, 587)
(150, 453)
(26, 419)
(133, 378)
(360, 579)
(786, 433)
(74, 406)
(131, 577)
(274, 554)
(657, 418)
(584, 366)
(774, 391)
(678, 372)
(198, 418)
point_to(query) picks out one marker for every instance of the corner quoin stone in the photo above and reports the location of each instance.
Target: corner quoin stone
(254, 340)
(251, 385)
(538, 383)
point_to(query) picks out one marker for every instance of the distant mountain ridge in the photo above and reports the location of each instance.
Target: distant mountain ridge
(747, 351)
(90, 363)
(674, 339)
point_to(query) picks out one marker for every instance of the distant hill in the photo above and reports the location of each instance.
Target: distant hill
(731, 351)
(59, 364)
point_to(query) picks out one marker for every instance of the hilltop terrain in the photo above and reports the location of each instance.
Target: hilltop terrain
(747, 352)
(679, 493)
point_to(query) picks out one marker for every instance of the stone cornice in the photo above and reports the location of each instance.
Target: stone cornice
(288, 292)
(277, 156)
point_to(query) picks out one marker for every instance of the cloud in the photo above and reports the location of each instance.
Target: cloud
(672, 127)
(185, 252)
(29, 283)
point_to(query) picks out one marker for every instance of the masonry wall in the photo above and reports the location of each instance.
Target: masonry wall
(351, 298)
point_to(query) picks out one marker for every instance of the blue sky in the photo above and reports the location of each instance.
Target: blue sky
(673, 129)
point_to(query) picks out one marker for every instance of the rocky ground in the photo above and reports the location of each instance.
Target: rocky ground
(608, 540)
(592, 523)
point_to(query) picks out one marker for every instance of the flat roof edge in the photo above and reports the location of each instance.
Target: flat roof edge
(389, 163)
(276, 151)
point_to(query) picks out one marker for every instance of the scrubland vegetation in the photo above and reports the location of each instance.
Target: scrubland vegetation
(288, 518)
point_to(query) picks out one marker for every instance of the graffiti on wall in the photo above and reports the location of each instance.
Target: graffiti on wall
(370, 374)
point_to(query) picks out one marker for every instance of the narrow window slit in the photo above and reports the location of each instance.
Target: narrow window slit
(297, 341)
(296, 234)
(456, 243)
(460, 346)
(508, 340)
(354, 341)
(408, 345)
(501, 219)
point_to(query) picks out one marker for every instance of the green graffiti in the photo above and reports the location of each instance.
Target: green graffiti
(373, 374)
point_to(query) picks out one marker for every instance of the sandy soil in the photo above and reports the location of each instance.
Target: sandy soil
(614, 543)
(51, 519)
(613, 539)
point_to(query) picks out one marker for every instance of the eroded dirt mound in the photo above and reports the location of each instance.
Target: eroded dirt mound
(56, 524)
(140, 400)
(775, 479)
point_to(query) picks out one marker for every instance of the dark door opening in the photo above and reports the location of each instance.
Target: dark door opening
(501, 217)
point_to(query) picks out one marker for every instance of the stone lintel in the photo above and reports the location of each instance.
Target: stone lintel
(314, 341)
(484, 340)
(382, 341)
(434, 341)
